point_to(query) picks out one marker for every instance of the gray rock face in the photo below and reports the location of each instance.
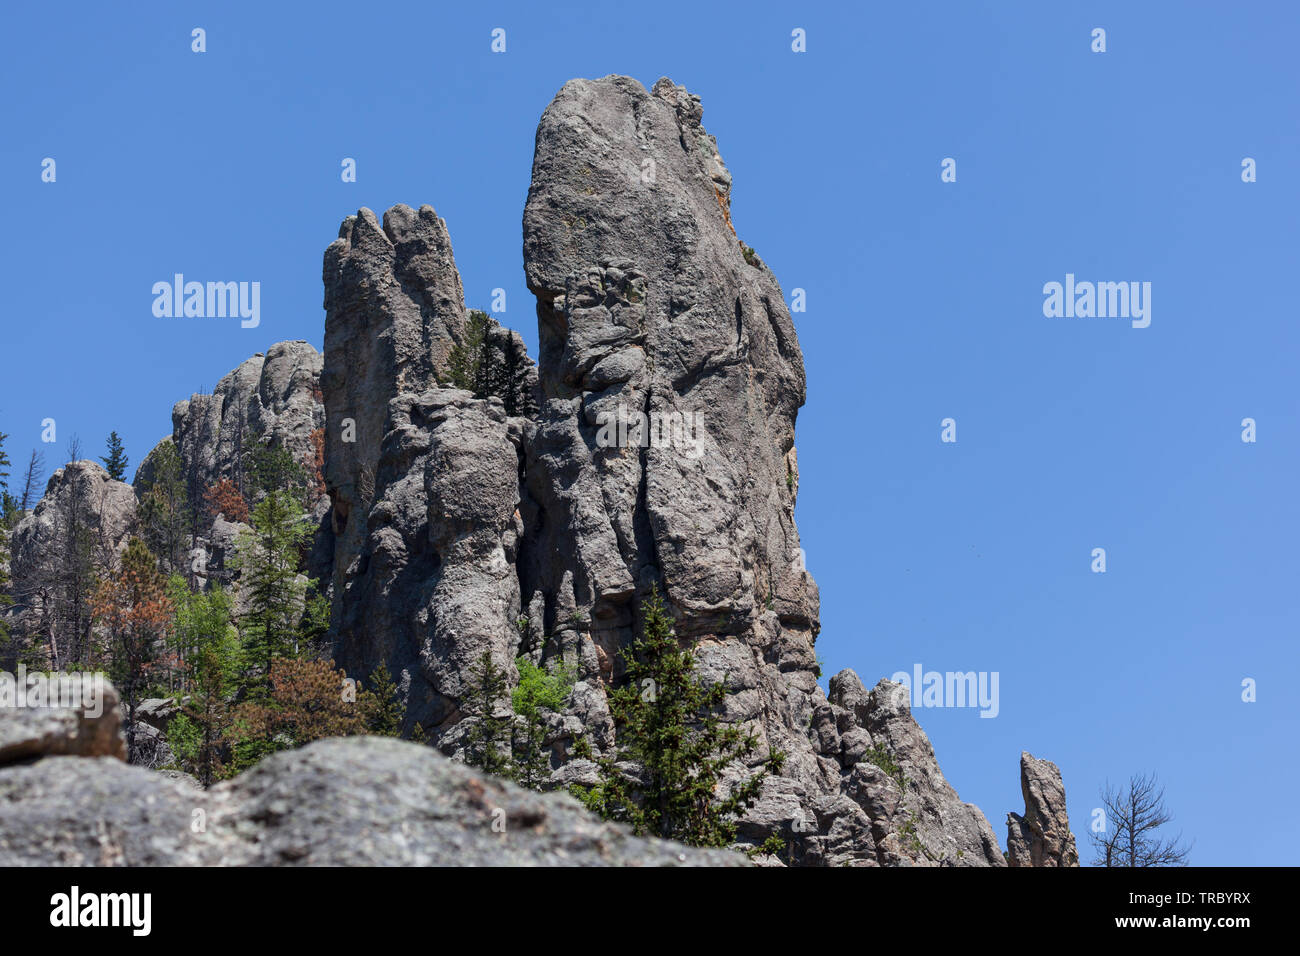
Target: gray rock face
(649, 304)
(339, 802)
(1042, 836)
(81, 491)
(85, 513)
(433, 583)
(270, 398)
(31, 732)
(423, 480)
(394, 309)
(152, 718)
(646, 303)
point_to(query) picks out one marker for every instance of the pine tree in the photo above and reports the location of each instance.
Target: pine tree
(198, 735)
(488, 740)
(272, 467)
(539, 693)
(206, 643)
(470, 365)
(267, 557)
(224, 499)
(116, 461)
(32, 479)
(306, 701)
(667, 726)
(201, 619)
(133, 606)
(387, 713)
(165, 514)
(517, 393)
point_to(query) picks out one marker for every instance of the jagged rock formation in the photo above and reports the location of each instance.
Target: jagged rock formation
(461, 530)
(340, 802)
(424, 481)
(80, 492)
(1041, 837)
(270, 398)
(78, 528)
(656, 450)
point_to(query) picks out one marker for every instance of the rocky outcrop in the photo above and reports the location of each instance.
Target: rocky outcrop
(664, 452)
(433, 584)
(79, 498)
(78, 529)
(70, 718)
(662, 455)
(338, 802)
(271, 398)
(1041, 837)
(394, 309)
(152, 718)
(651, 447)
(423, 480)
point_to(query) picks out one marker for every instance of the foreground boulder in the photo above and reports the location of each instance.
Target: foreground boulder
(358, 801)
(1041, 837)
(30, 732)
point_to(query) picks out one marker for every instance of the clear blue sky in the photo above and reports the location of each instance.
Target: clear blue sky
(924, 302)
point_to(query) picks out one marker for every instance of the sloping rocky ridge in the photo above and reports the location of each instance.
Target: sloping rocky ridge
(67, 799)
(461, 530)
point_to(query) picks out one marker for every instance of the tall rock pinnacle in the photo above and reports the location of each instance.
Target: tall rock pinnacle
(661, 455)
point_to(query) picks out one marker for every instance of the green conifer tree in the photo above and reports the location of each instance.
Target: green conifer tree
(272, 467)
(267, 557)
(667, 725)
(488, 740)
(387, 714)
(115, 461)
(540, 692)
(206, 643)
(470, 364)
(165, 514)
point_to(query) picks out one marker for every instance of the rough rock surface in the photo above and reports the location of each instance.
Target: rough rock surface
(1041, 837)
(338, 802)
(270, 398)
(460, 530)
(82, 489)
(152, 719)
(81, 503)
(28, 732)
(423, 480)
